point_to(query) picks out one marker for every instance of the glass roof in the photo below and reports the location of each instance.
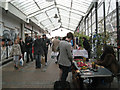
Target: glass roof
(69, 12)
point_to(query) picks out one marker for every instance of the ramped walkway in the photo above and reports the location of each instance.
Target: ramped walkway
(29, 77)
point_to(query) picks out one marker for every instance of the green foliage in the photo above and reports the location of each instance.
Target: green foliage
(76, 34)
(101, 41)
(80, 36)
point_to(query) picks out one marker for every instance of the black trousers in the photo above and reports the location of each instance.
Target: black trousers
(65, 71)
(29, 53)
(23, 55)
(45, 57)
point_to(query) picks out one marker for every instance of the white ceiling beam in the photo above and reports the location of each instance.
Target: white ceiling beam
(11, 8)
(41, 11)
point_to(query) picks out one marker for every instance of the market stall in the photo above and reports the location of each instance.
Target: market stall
(83, 69)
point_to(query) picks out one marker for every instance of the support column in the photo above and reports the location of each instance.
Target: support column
(22, 32)
(85, 25)
(104, 22)
(1, 31)
(118, 29)
(96, 20)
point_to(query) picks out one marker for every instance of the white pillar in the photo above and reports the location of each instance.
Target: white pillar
(22, 32)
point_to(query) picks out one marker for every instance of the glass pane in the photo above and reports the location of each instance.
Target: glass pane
(93, 16)
(47, 26)
(78, 12)
(56, 24)
(76, 16)
(93, 28)
(82, 2)
(26, 6)
(50, 27)
(79, 7)
(43, 3)
(29, 11)
(100, 13)
(17, 2)
(46, 22)
(52, 12)
(66, 3)
(72, 28)
(111, 22)
(111, 16)
(64, 19)
(64, 12)
(109, 6)
(74, 21)
(54, 20)
(41, 16)
(99, 1)
(64, 24)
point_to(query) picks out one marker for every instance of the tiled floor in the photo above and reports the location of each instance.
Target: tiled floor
(29, 77)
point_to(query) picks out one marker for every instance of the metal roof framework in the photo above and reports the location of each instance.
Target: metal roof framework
(69, 12)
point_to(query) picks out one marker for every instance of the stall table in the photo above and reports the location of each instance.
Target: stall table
(80, 74)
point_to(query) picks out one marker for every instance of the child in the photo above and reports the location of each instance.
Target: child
(16, 52)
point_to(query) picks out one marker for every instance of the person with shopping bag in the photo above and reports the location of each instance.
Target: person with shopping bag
(16, 52)
(23, 48)
(54, 46)
(38, 51)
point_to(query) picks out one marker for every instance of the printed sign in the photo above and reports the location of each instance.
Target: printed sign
(83, 53)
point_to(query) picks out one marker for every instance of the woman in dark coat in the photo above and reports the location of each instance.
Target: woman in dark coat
(22, 46)
(86, 45)
(108, 59)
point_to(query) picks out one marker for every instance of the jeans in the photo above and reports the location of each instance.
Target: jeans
(16, 59)
(38, 61)
(29, 52)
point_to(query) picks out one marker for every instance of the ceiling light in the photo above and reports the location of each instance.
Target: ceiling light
(59, 21)
(55, 16)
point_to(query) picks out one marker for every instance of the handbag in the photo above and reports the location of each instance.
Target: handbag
(21, 62)
(43, 60)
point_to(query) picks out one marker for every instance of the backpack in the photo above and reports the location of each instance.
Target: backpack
(61, 85)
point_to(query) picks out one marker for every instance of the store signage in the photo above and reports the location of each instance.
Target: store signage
(28, 26)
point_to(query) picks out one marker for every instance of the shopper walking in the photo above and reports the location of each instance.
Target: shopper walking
(45, 46)
(65, 57)
(28, 44)
(16, 52)
(38, 51)
(22, 46)
(55, 45)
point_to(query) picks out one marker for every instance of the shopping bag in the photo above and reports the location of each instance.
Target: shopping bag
(54, 54)
(25, 56)
(43, 60)
(21, 62)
